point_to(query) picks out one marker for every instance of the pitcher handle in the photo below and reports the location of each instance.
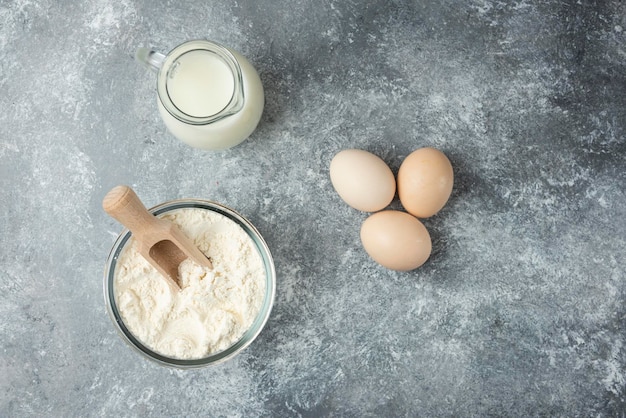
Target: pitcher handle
(150, 58)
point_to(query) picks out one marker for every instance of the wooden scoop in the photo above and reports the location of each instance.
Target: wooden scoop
(161, 242)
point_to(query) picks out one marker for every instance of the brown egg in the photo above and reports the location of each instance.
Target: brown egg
(362, 179)
(396, 240)
(425, 180)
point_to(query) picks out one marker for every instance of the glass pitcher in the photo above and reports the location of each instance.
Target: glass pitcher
(209, 96)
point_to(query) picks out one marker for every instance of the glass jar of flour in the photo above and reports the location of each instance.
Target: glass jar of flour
(209, 96)
(216, 314)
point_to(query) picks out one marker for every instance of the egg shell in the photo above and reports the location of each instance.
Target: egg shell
(425, 181)
(362, 179)
(396, 240)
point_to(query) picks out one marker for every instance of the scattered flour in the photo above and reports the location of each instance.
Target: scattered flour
(213, 309)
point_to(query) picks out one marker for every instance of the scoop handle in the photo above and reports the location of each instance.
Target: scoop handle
(122, 203)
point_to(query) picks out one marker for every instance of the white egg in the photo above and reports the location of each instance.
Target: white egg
(362, 179)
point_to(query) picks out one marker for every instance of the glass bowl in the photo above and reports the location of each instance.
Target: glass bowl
(248, 336)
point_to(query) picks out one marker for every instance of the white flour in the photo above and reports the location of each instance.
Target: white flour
(213, 309)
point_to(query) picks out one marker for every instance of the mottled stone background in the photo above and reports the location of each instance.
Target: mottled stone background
(520, 309)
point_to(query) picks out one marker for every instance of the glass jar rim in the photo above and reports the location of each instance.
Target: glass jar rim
(234, 105)
(246, 339)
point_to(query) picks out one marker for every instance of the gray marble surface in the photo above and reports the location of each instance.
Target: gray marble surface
(520, 309)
